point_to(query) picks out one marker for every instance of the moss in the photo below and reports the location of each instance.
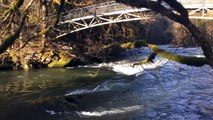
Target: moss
(149, 59)
(13, 8)
(13, 55)
(46, 57)
(110, 46)
(26, 66)
(188, 60)
(64, 55)
(135, 44)
(59, 64)
(107, 46)
(142, 62)
(139, 43)
(126, 45)
(65, 59)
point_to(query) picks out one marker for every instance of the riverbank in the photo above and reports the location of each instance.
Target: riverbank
(99, 44)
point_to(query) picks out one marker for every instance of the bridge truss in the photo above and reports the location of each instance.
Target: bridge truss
(112, 12)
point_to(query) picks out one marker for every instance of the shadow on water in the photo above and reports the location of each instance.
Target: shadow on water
(25, 94)
(170, 91)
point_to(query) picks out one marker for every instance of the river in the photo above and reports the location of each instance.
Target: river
(111, 91)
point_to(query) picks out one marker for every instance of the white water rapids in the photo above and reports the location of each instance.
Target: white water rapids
(159, 90)
(163, 90)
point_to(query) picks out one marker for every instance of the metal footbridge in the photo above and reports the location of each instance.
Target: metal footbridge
(112, 12)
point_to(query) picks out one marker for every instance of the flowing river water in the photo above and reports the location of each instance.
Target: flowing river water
(111, 91)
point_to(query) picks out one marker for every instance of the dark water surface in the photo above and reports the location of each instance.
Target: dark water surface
(25, 94)
(166, 91)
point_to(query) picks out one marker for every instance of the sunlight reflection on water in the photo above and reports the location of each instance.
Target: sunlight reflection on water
(167, 91)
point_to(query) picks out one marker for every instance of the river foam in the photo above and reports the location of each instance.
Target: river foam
(126, 67)
(107, 86)
(110, 111)
(129, 69)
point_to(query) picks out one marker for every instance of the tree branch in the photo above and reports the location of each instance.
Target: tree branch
(15, 5)
(11, 39)
(181, 17)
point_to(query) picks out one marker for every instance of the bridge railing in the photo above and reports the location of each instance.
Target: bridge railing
(112, 6)
(196, 2)
(79, 12)
(99, 14)
(97, 9)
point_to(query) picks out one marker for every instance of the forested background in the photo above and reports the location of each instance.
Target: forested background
(35, 45)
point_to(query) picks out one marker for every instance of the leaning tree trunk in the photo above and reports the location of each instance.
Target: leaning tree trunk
(188, 60)
(181, 16)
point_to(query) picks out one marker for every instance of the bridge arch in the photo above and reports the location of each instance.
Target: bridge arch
(112, 12)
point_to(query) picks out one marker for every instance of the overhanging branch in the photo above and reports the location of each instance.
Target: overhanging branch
(181, 17)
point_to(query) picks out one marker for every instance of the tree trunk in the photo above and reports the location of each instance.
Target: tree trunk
(188, 60)
(11, 39)
(181, 17)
